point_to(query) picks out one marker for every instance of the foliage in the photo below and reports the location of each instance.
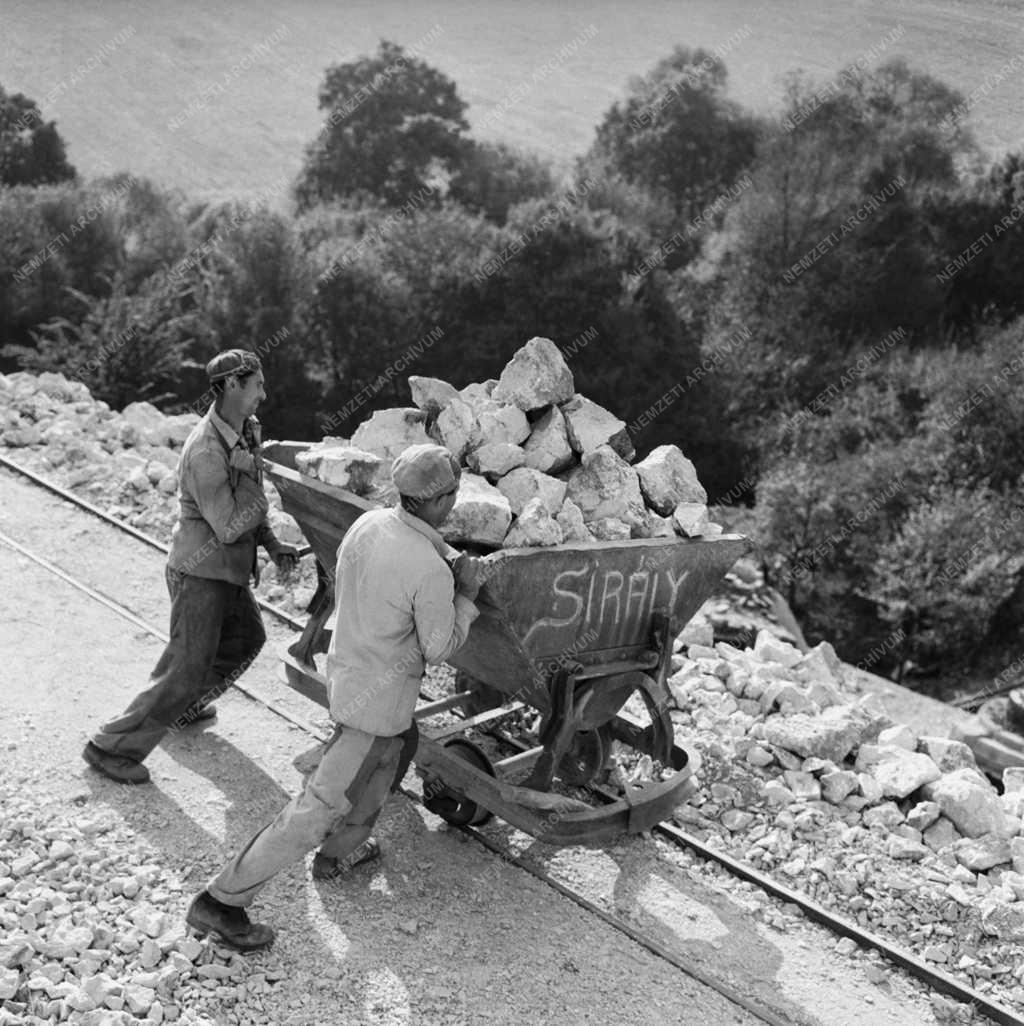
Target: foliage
(31, 150)
(677, 134)
(494, 177)
(942, 578)
(394, 126)
(126, 346)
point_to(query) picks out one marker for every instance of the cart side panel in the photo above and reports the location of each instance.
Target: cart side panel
(564, 601)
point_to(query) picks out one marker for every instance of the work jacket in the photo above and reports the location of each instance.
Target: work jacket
(396, 610)
(223, 507)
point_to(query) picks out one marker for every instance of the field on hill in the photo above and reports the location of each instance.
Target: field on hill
(221, 101)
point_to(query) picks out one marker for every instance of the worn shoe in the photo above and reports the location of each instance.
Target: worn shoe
(230, 924)
(117, 767)
(327, 868)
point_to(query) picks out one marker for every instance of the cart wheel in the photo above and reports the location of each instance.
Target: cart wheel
(483, 697)
(586, 756)
(451, 806)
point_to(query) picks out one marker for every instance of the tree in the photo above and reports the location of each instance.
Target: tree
(677, 134)
(394, 129)
(31, 150)
(494, 177)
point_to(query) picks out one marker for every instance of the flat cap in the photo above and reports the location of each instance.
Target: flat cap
(424, 471)
(232, 361)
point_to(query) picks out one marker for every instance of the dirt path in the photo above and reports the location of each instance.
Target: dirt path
(442, 932)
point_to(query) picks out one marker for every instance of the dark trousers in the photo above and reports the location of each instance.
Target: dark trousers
(216, 632)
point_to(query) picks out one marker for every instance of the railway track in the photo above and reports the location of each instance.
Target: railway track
(763, 1011)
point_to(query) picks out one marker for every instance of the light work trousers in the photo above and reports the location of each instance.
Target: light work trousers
(335, 812)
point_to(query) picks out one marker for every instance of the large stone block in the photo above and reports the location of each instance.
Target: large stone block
(690, 519)
(351, 468)
(498, 422)
(481, 515)
(455, 426)
(605, 485)
(547, 448)
(388, 432)
(521, 485)
(900, 772)
(495, 459)
(590, 426)
(534, 526)
(431, 395)
(668, 478)
(570, 519)
(969, 801)
(536, 376)
(832, 734)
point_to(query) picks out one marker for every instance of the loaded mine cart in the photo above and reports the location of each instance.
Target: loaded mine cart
(572, 631)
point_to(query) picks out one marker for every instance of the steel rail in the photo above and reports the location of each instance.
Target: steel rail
(935, 978)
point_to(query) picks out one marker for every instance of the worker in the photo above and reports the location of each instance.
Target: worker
(216, 630)
(404, 598)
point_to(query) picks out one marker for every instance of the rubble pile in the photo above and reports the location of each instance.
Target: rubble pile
(92, 931)
(542, 464)
(809, 780)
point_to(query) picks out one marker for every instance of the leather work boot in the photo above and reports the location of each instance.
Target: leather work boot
(327, 868)
(116, 767)
(230, 924)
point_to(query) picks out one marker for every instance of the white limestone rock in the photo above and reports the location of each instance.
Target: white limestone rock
(1003, 919)
(455, 426)
(605, 485)
(610, 529)
(900, 772)
(947, 754)
(832, 734)
(690, 519)
(149, 424)
(353, 469)
(968, 800)
(477, 391)
(481, 515)
(495, 460)
(536, 376)
(899, 736)
(769, 648)
(498, 422)
(388, 432)
(979, 854)
(534, 526)
(522, 484)
(659, 526)
(431, 395)
(179, 426)
(570, 519)
(547, 448)
(668, 478)
(590, 426)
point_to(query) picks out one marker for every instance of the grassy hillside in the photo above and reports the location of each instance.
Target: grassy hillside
(249, 133)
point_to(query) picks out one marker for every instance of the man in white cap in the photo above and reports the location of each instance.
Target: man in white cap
(402, 600)
(216, 629)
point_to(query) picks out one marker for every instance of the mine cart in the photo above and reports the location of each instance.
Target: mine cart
(572, 632)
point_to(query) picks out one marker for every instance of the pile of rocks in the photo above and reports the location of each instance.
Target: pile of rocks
(92, 930)
(543, 464)
(810, 780)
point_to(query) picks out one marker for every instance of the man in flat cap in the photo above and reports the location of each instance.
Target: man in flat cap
(404, 598)
(216, 629)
